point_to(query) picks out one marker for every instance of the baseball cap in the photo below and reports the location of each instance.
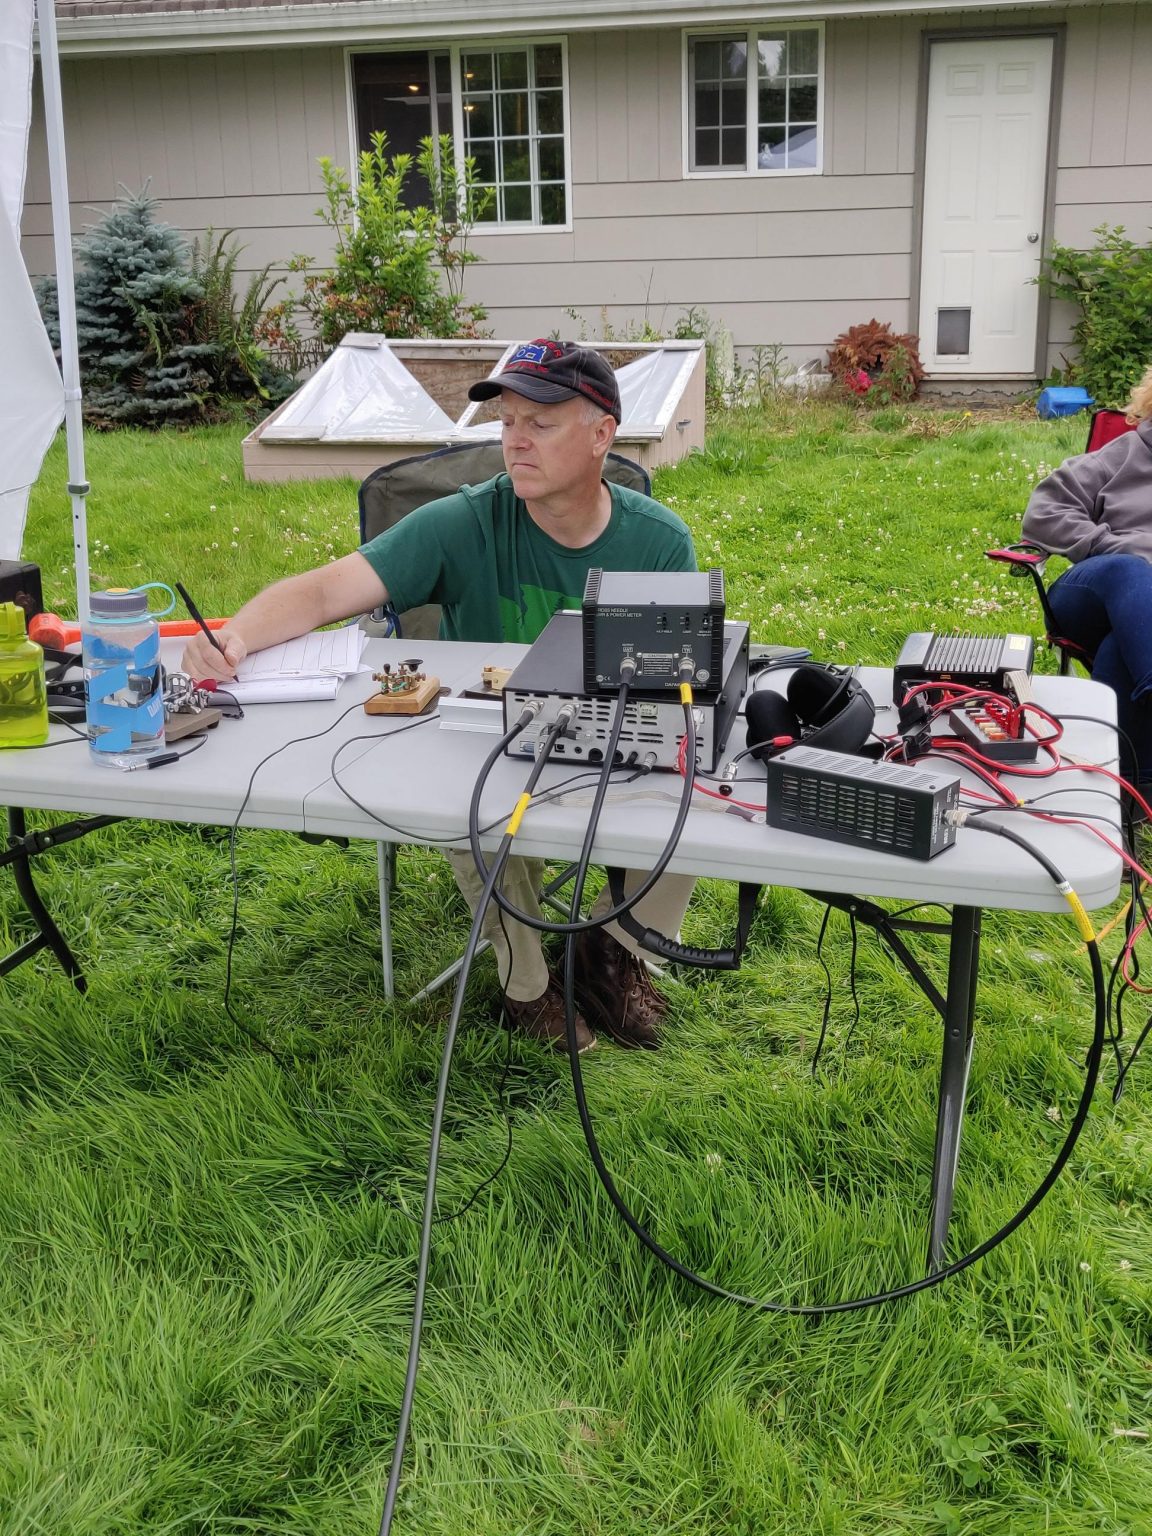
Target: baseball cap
(550, 371)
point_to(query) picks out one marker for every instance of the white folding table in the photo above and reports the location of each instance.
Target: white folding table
(417, 789)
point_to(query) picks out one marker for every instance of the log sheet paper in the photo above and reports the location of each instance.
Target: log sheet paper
(312, 667)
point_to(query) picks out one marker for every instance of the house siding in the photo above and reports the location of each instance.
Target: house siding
(1104, 159)
(225, 140)
(232, 140)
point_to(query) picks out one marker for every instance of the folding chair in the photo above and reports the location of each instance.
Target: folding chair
(394, 490)
(386, 496)
(1029, 560)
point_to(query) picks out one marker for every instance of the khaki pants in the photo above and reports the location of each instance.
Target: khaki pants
(521, 963)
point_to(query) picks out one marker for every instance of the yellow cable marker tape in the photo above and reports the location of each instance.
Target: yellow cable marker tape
(1083, 921)
(517, 815)
(685, 693)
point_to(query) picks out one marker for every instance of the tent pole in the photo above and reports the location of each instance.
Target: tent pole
(62, 244)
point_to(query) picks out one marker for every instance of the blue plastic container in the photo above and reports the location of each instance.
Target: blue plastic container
(1062, 400)
(123, 682)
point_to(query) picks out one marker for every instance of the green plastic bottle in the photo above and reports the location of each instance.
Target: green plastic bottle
(23, 697)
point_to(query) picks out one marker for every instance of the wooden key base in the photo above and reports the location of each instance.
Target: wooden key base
(404, 701)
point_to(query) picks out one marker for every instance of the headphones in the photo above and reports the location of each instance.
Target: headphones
(824, 707)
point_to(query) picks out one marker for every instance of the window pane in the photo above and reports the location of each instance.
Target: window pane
(706, 57)
(484, 155)
(549, 69)
(707, 106)
(773, 104)
(551, 159)
(733, 147)
(770, 154)
(444, 79)
(735, 59)
(490, 214)
(516, 163)
(512, 69)
(802, 146)
(802, 101)
(770, 57)
(802, 51)
(552, 209)
(393, 95)
(517, 204)
(476, 68)
(514, 113)
(707, 150)
(733, 105)
(479, 122)
(549, 112)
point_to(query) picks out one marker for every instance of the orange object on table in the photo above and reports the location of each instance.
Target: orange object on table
(51, 630)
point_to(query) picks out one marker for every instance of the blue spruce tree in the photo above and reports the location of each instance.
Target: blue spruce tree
(140, 361)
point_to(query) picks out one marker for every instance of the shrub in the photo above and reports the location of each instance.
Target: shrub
(1111, 285)
(160, 337)
(140, 361)
(386, 274)
(230, 325)
(872, 360)
(693, 324)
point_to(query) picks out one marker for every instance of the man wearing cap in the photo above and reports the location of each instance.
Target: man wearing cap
(501, 558)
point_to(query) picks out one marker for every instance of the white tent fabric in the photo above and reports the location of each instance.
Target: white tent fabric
(31, 391)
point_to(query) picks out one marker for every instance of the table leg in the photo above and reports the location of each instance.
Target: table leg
(448, 973)
(48, 935)
(386, 880)
(956, 1057)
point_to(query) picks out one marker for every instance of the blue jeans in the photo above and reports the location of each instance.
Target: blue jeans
(1104, 605)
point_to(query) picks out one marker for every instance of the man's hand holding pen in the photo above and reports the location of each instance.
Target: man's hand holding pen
(203, 658)
(210, 655)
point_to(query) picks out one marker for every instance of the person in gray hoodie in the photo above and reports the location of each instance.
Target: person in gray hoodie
(1096, 509)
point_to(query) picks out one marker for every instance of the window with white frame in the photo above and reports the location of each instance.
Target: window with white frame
(502, 103)
(754, 100)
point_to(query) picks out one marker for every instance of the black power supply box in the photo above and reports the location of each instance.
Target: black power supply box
(20, 584)
(885, 806)
(972, 661)
(657, 619)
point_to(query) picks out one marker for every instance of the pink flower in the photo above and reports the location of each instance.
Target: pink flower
(858, 381)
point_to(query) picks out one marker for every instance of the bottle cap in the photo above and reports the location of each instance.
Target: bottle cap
(12, 621)
(118, 603)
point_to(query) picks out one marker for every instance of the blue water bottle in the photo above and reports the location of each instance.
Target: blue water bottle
(123, 683)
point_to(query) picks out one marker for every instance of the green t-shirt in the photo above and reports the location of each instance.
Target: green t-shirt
(500, 577)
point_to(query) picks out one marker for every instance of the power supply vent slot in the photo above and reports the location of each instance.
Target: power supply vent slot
(885, 806)
(858, 810)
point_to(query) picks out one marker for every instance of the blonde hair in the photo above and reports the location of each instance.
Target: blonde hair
(1140, 405)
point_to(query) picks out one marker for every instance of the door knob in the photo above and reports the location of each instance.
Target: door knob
(1033, 237)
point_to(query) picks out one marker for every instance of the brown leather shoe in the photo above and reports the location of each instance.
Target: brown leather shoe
(615, 993)
(543, 1019)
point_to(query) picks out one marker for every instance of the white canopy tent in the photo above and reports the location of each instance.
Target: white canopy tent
(32, 395)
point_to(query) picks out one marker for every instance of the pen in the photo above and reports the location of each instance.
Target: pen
(198, 616)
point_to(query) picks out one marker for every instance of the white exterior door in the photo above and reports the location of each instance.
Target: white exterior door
(985, 164)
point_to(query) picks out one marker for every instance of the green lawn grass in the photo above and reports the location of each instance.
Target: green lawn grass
(206, 1260)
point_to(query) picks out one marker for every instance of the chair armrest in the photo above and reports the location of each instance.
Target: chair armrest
(1024, 559)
